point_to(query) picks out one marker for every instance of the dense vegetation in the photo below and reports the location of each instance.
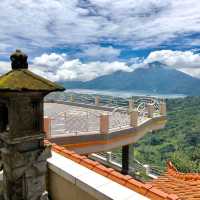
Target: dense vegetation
(179, 141)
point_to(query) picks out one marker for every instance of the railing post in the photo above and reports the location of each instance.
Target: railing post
(131, 105)
(47, 126)
(97, 100)
(109, 156)
(134, 118)
(150, 110)
(163, 109)
(72, 98)
(104, 123)
(147, 168)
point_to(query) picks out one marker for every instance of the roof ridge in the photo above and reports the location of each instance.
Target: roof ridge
(39, 78)
(172, 171)
(143, 188)
(24, 79)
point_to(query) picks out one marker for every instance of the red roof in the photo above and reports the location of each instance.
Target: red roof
(185, 185)
(145, 189)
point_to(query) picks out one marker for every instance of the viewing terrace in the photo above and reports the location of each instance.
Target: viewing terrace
(87, 127)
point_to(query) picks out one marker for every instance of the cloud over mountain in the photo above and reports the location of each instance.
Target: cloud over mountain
(58, 68)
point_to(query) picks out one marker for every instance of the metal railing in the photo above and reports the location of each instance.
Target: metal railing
(115, 161)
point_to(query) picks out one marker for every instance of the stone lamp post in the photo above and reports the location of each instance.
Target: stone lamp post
(23, 151)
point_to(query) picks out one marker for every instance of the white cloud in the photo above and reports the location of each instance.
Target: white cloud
(177, 59)
(4, 67)
(35, 24)
(57, 68)
(101, 53)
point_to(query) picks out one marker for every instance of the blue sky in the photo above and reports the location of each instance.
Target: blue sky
(62, 37)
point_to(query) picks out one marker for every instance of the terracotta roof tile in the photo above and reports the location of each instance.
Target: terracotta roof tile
(184, 185)
(148, 190)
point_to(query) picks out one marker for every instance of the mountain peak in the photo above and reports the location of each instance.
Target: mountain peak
(157, 64)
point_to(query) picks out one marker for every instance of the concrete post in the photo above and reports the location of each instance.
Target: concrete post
(131, 105)
(47, 126)
(72, 98)
(150, 110)
(147, 167)
(104, 123)
(97, 100)
(163, 109)
(109, 156)
(134, 118)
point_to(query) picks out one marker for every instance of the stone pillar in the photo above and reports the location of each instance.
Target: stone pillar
(97, 100)
(23, 151)
(104, 123)
(163, 109)
(24, 174)
(23, 154)
(134, 118)
(125, 159)
(150, 110)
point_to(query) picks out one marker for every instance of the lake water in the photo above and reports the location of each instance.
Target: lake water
(125, 94)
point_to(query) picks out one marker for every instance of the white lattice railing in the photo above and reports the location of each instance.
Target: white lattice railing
(88, 121)
(76, 123)
(119, 119)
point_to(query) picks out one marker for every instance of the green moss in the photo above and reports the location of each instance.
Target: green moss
(23, 79)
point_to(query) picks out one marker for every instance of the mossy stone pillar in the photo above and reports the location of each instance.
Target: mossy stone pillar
(23, 151)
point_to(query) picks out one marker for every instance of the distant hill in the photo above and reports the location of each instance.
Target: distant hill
(154, 77)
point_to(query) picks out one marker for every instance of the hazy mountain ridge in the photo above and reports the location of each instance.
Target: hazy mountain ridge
(154, 77)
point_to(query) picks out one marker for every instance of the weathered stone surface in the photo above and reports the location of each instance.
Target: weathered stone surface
(24, 174)
(21, 131)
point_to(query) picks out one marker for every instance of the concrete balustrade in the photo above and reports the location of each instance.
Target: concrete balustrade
(97, 100)
(134, 118)
(163, 109)
(150, 110)
(104, 123)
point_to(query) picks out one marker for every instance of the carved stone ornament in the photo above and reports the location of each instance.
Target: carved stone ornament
(19, 60)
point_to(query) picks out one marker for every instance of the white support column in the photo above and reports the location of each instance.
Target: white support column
(72, 98)
(150, 109)
(97, 100)
(104, 123)
(134, 118)
(163, 109)
(147, 167)
(109, 156)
